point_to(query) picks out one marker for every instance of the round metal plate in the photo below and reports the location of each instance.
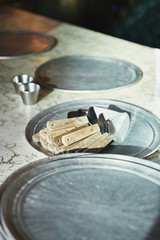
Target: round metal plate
(87, 73)
(20, 43)
(84, 196)
(143, 137)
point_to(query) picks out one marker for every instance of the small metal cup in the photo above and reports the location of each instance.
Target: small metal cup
(29, 93)
(21, 79)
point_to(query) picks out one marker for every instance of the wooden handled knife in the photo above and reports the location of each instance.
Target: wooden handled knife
(65, 123)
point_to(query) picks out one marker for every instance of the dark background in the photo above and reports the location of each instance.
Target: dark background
(134, 20)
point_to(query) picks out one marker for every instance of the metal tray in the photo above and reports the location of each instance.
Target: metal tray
(21, 43)
(82, 196)
(86, 73)
(143, 137)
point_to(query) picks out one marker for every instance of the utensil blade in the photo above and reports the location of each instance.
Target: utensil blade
(118, 127)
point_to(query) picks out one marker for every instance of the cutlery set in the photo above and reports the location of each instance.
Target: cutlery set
(91, 131)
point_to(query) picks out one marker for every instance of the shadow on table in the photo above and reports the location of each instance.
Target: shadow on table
(44, 92)
(123, 149)
(154, 232)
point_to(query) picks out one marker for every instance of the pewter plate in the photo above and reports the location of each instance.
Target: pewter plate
(86, 73)
(143, 137)
(83, 196)
(21, 43)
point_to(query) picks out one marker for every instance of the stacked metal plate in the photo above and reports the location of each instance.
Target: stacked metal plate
(82, 196)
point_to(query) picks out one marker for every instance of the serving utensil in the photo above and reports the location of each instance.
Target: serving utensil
(98, 135)
(91, 132)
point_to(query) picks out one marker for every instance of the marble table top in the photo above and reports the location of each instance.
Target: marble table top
(15, 151)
